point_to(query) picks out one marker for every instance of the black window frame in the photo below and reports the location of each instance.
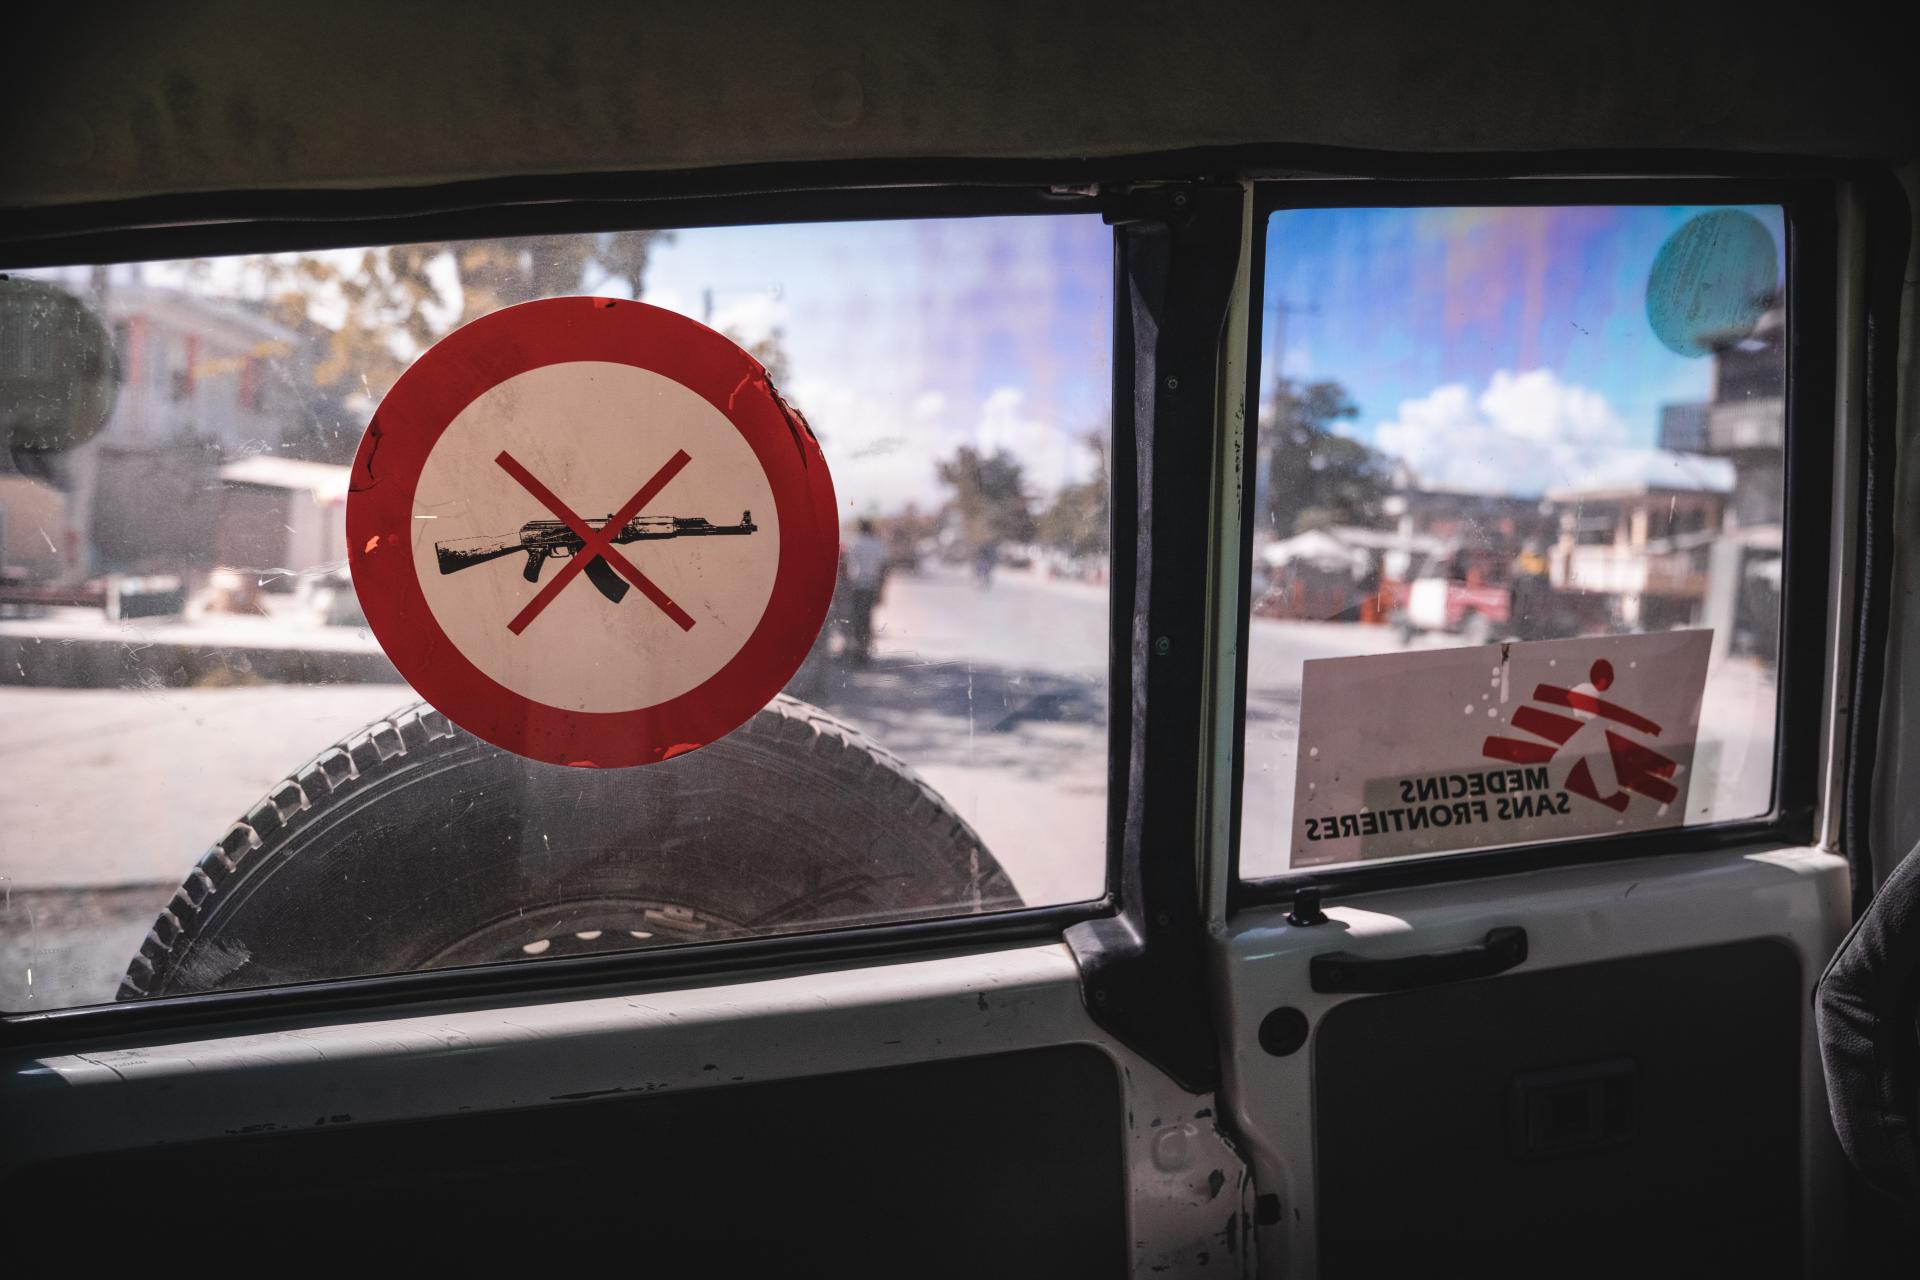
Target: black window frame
(1809, 207)
(229, 224)
(1141, 948)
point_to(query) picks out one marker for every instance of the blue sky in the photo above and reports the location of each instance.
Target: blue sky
(1456, 330)
(904, 340)
(907, 339)
(1497, 349)
(1494, 349)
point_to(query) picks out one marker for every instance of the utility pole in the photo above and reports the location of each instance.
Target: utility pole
(1270, 502)
(1280, 309)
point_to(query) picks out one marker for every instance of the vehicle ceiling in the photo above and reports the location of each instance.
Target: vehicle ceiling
(225, 96)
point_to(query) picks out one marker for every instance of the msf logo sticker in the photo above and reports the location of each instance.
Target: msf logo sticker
(1637, 769)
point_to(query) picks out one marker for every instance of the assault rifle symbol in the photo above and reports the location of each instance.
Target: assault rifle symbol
(541, 539)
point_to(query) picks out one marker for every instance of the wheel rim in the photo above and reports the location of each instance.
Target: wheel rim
(585, 927)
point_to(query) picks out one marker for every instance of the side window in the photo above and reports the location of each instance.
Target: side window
(216, 779)
(1517, 527)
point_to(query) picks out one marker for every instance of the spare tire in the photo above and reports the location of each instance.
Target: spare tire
(414, 845)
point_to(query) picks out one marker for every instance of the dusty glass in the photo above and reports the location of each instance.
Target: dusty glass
(181, 646)
(1490, 424)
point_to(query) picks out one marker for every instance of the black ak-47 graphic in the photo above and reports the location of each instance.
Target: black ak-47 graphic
(540, 540)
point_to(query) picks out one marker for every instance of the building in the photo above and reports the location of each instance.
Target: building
(197, 368)
(1640, 528)
(1338, 572)
(1482, 521)
(1745, 423)
(1683, 428)
(281, 518)
(33, 514)
(202, 381)
(198, 383)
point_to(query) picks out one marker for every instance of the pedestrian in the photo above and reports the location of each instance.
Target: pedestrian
(984, 556)
(866, 575)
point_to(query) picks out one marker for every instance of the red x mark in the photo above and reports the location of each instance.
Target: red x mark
(597, 542)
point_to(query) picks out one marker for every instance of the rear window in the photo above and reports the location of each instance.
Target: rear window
(216, 779)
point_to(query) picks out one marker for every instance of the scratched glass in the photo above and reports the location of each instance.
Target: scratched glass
(181, 646)
(1478, 425)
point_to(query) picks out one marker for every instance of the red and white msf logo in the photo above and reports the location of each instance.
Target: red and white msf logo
(1636, 769)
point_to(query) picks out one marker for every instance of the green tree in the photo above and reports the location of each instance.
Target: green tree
(1316, 478)
(989, 496)
(390, 308)
(1078, 519)
(909, 524)
(770, 351)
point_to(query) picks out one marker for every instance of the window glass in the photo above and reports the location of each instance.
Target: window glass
(1488, 424)
(180, 638)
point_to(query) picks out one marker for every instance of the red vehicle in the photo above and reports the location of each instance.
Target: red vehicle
(1463, 592)
(1480, 595)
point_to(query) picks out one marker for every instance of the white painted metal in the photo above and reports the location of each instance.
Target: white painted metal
(1573, 915)
(1427, 604)
(1181, 1218)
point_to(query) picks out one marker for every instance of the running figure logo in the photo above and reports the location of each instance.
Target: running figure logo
(1636, 769)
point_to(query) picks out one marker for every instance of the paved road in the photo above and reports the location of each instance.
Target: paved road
(997, 697)
(114, 786)
(1024, 756)
(118, 793)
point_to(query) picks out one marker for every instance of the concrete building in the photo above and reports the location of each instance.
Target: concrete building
(281, 518)
(197, 368)
(1640, 528)
(1744, 422)
(33, 517)
(202, 381)
(199, 382)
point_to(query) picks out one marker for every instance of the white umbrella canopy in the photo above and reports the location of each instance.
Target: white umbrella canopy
(1315, 548)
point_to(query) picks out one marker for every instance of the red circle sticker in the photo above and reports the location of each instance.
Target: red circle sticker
(591, 532)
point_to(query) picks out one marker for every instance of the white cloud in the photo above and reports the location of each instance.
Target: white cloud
(883, 447)
(1052, 458)
(1536, 405)
(1524, 434)
(881, 459)
(445, 307)
(666, 299)
(1659, 469)
(750, 317)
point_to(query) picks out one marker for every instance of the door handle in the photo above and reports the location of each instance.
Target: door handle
(1502, 949)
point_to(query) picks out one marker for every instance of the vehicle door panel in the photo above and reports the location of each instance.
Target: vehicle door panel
(1637, 1089)
(961, 1111)
(1470, 1119)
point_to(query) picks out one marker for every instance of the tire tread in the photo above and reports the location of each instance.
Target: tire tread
(416, 730)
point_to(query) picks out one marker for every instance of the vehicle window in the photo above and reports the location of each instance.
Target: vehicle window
(183, 648)
(1481, 425)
